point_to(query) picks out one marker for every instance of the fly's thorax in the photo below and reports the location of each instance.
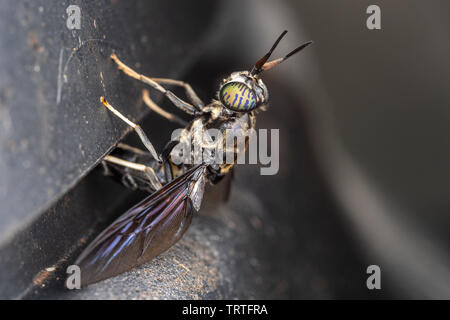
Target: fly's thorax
(215, 140)
(225, 129)
(227, 138)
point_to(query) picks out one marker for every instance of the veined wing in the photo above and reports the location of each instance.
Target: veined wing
(143, 232)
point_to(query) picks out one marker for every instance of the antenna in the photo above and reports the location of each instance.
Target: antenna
(258, 65)
(269, 65)
(263, 65)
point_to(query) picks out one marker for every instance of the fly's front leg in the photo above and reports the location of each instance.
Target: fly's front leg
(180, 103)
(190, 93)
(135, 126)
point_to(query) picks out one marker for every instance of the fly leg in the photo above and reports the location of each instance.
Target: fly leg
(190, 93)
(149, 172)
(132, 149)
(192, 109)
(122, 167)
(153, 106)
(135, 126)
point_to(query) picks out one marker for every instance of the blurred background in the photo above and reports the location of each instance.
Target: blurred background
(364, 147)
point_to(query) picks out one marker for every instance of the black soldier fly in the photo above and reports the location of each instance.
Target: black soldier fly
(176, 189)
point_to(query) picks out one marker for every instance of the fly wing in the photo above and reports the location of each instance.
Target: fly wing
(143, 232)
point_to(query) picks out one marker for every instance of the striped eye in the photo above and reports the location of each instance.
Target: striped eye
(238, 97)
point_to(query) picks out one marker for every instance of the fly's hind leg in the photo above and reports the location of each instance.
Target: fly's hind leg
(165, 172)
(135, 126)
(192, 109)
(149, 172)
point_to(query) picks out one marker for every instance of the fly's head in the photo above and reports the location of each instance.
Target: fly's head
(244, 91)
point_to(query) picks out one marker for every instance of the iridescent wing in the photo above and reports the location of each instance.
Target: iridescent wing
(143, 232)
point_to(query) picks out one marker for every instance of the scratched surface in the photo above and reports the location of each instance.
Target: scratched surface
(52, 128)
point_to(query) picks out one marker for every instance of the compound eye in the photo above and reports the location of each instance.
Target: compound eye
(237, 96)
